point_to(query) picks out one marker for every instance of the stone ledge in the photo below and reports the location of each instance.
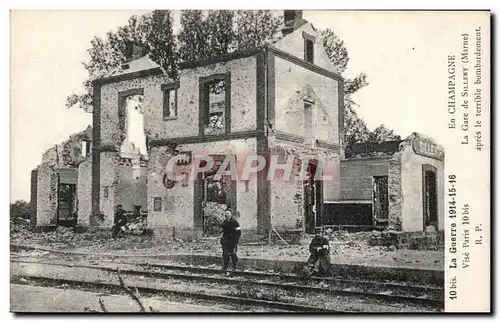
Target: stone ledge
(347, 271)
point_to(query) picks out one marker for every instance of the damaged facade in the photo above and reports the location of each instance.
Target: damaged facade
(396, 184)
(282, 99)
(60, 185)
(278, 99)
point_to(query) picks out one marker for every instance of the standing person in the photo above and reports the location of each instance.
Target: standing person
(119, 222)
(231, 233)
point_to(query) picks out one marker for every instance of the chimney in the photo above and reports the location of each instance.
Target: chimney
(133, 51)
(292, 20)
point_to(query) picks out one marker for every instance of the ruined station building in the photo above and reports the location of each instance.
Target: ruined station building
(284, 99)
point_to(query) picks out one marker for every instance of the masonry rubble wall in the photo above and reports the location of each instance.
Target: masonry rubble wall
(57, 163)
(177, 204)
(356, 177)
(396, 197)
(296, 85)
(412, 187)
(243, 97)
(406, 189)
(46, 197)
(84, 193)
(287, 196)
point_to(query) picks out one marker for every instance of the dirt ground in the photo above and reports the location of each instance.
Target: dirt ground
(27, 298)
(347, 248)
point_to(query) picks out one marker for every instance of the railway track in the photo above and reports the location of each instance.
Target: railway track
(290, 284)
(412, 293)
(115, 288)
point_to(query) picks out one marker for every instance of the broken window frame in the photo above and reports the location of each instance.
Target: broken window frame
(122, 113)
(204, 101)
(83, 151)
(122, 107)
(166, 90)
(86, 148)
(309, 41)
(308, 123)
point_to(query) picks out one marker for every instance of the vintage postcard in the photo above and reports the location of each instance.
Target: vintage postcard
(250, 161)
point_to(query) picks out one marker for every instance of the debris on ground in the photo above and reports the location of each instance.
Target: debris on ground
(346, 247)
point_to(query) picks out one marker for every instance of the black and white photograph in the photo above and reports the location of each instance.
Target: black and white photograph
(251, 161)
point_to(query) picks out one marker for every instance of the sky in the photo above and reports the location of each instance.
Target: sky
(403, 54)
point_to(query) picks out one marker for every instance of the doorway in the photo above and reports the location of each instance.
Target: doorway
(313, 199)
(213, 198)
(429, 192)
(380, 200)
(66, 207)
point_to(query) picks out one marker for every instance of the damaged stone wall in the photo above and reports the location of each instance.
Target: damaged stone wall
(287, 195)
(411, 185)
(356, 177)
(131, 188)
(46, 206)
(67, 155)
(396, 197)
(123, 180)
(110, 166)
(121, 184)
(177, 203)
(293, 43)
(294, 85)
(243, 96)
(405, 188)
(84, 192)
(111, 134)
(286, 203)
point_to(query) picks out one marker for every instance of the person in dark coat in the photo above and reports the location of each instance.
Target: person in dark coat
(119, 222)
(231, 233)
(318, 263)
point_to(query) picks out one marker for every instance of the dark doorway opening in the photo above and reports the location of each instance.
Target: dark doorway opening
(313, 199)
(429, 183)
(380, 200)
(212, 198)
(66, 207)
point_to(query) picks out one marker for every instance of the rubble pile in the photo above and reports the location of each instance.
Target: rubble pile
(213, 216)
(383, 238)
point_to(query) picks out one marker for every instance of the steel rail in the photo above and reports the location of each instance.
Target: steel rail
(436, 303)
(243, 301)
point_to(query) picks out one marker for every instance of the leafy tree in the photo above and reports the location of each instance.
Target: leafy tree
(21, 209)
(254, 28)
(160, 41)
(219, 28)
(335, 49)
(355, 129)
(224, 31)
(381, 134)
(192, 36)
(152, 31)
